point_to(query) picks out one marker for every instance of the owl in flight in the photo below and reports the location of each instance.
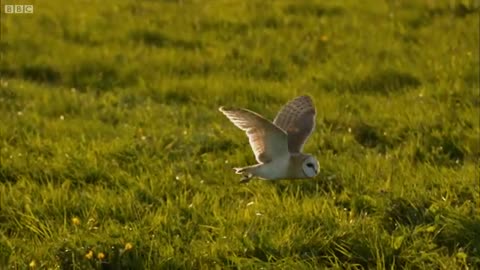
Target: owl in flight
(278, 146)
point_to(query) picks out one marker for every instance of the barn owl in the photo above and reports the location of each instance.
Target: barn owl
(277, 146)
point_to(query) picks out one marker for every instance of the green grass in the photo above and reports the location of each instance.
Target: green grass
(110, 134)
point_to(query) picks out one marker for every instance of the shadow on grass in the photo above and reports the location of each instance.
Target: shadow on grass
(223, 27)
(99, 75)
(461, 232)
(324, 183)
(160, 40)
(8, 175)
(7, 72)
(211, 145)
(41, 73)
(381, 82)
(439, 148)
(274, 69)
(312, 9)
(403, 212)
(177, 96)
(326, 250)
(87, 74)
(365, 134)
(5, 250)
(427, 16)
(371, 137)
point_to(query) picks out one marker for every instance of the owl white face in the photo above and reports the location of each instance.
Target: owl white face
(310, 167)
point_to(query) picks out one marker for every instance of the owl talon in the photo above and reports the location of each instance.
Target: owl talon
(246, 178)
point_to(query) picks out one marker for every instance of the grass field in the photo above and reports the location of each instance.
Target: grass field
(113, 154)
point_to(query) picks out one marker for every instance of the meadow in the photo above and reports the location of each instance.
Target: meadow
(113, 154)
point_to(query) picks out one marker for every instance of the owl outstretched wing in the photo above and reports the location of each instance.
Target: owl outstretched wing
(297, 119)
(267, 140)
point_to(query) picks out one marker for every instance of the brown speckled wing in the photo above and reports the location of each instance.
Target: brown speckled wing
(297, 118)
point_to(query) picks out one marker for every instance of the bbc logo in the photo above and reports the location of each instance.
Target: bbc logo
(10, 9)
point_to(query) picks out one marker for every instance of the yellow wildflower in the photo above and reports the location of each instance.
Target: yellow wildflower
(76, 221)
(128, 246)
(89, 255)
(101, 256)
